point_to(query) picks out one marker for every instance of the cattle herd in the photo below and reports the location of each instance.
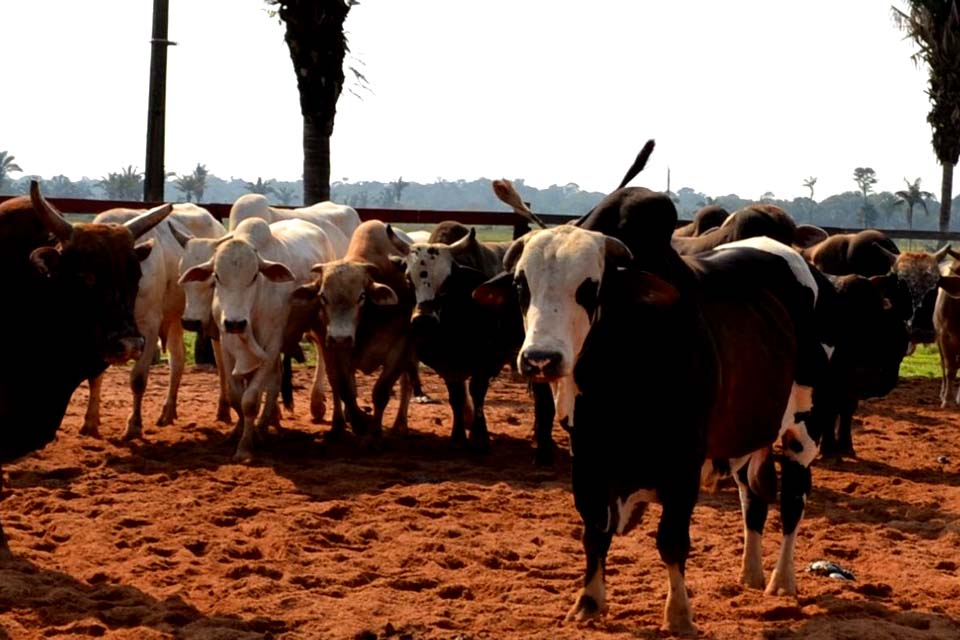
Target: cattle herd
(738, 345)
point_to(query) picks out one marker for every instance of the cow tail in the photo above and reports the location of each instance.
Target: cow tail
(638, 164)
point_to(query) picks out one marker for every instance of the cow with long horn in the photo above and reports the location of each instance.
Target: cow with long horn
(75, 287)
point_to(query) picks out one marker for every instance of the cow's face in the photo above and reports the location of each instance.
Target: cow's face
(430, 268)
(199, 294)
(237, 271)
(557, 275)
(95, 269)
(342, 290)
(917, 279)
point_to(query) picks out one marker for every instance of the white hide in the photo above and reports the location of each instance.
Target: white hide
(338, 221)
(793, 259)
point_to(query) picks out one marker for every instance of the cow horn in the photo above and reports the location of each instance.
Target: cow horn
(887, 252)
(505, 191)
(48, 214)
(146, 221)
(397, 241)
(181, 237)
(514, 252)
(465, 241)
(942, 253)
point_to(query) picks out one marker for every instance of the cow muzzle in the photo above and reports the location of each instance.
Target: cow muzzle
(339, 342)
(123, 349)
(234, 326)
(424, 318)
(541, 365)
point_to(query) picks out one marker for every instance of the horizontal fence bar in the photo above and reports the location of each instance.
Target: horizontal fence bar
(434, 216)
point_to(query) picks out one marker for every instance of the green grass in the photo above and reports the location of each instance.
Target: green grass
(924, 363)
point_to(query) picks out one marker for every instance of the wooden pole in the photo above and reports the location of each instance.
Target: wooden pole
(154, 174)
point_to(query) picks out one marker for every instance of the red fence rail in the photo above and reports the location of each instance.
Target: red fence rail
(433, 216)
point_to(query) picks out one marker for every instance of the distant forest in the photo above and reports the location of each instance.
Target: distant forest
(850, 209)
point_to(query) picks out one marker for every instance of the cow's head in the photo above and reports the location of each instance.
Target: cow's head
(872, 336)
(434, 273)
(341, 291)
(557, 276)
(237, 271)
(96, 270)
(197, 313)
(913, 289)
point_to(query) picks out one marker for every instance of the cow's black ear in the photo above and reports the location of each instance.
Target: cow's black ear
(45, 260)
(495, 291)
(653, 290)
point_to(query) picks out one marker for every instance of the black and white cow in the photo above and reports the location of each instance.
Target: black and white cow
(664, 363)
(465, 342)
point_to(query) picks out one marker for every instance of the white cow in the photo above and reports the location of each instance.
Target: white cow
(338, 220)
(255, 270)
(159, 304)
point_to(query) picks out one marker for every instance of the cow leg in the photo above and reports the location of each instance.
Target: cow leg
(270, 415)
(754, 509)
(673, 543)
(250, 406)
(381, 391)
(457, 390)
(138, 385)
(845, 431)
(91, 421)
(223, 402)
(796, 484)
(178, 359)
(592, 600)
(479, 436)
(544, 413)
(400, 423)
(419, 396)
(948, 371)
(318, 403)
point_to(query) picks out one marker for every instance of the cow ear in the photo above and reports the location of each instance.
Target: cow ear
(382, 294)
(199, 273)
(653, 290)
(461, 271)
(306, 292)
(808, 235)
(276, 271)
(45, 260)
(950, 285)
(496, 291)
(399, 263)
(143, 249)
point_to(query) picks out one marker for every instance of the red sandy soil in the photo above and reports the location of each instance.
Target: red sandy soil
(168, 538)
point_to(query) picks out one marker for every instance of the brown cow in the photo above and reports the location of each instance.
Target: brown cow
(73, 290)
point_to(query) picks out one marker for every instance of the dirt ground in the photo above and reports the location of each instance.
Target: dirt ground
(169, 538)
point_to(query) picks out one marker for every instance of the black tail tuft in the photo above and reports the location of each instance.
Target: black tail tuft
(638, 164)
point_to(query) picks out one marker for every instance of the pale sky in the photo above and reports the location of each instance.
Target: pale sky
(745, 96)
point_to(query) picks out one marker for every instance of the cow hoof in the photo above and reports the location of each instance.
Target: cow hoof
(223, 412)
(132, 434)
(91, 429)
(318, 412)
(585, 609)
(781, 585)
(243, 457)
(167, 418)
(399, 430)
(5, 554)
(424, 399)
(752, 579)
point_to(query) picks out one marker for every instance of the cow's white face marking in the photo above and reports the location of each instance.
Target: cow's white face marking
(199, 295)
(428, 267)
(555, 264)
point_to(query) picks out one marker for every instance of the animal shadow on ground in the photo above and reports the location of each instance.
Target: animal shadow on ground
(67, 606)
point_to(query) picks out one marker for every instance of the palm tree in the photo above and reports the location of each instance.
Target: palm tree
(261, 187)
(187, 185)
(285, 194)
(318, 45)
(934, 26)
(7, 166)
(809, 183)
(912, 196)
(865, 177)
(125, 185)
